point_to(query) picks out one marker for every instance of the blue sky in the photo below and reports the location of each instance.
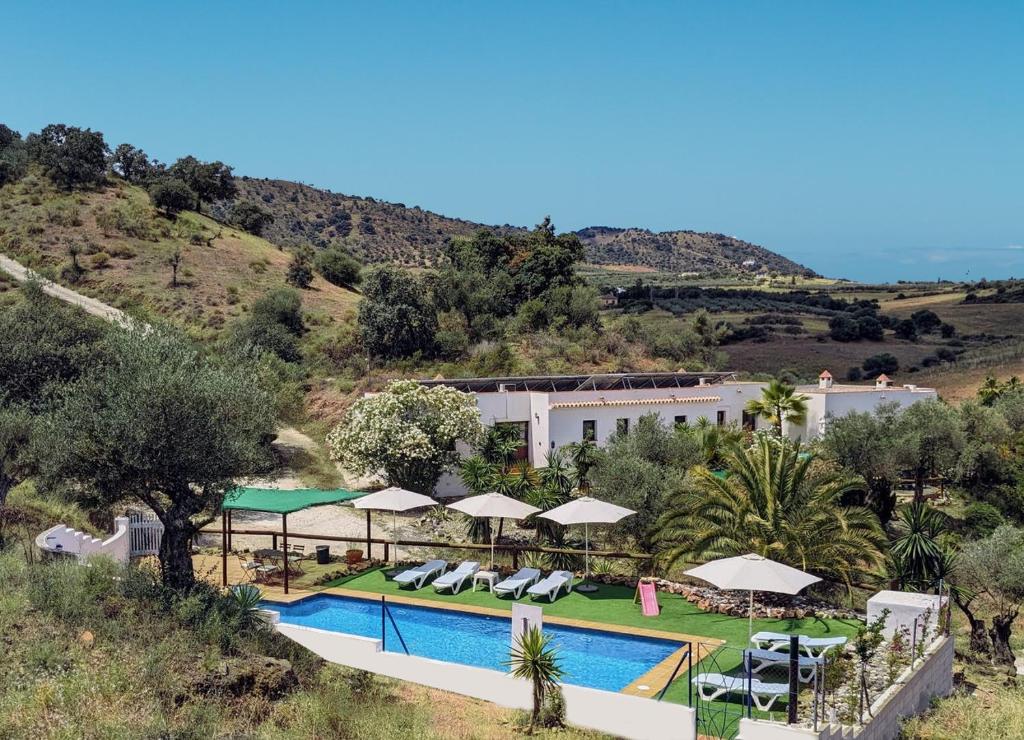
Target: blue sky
(868, 140)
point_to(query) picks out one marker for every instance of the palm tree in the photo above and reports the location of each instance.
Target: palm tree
(776, 503)
(917, 547)
(712, 440)
(584, 457)
(779, 402)
(533, 659)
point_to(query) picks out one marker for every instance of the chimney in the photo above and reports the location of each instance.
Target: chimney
(882, 381)
(702, 382)
(825, 380)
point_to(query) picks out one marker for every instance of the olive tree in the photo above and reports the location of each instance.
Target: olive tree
(929, 440)
(408, 433)
(162, 425)
(992, 571)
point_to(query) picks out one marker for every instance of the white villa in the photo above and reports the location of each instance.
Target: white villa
(552, 411)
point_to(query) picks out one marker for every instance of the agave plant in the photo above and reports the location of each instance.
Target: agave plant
(534, 659)
(917, 546)
(245, 602)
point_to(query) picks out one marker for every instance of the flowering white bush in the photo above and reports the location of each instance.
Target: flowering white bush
(408, 433)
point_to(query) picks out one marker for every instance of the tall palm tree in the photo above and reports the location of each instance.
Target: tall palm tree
(779, 402)
(584, 457)
(533, 659)
(712, 440)
(778, 504)
(917, 546)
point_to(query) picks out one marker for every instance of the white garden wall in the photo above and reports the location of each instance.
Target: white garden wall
(64, 539)
(618, 714)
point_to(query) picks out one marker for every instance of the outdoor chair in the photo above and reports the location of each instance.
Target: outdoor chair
(516, 584)
(552, 585)
(454, 580)
(266, 571)
(295, 557)
(815, 647)
(418, 576)
(710, 686)
(248, 567)
(757, 660)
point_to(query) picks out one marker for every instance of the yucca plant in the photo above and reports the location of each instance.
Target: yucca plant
(245, 601)
(917, 546)
(534, 659)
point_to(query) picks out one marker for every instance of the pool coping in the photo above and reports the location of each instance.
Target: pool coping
(654, 679)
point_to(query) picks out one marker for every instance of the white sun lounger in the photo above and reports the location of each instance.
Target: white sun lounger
(516, 584)
(815, 647)
(418, 576)
(550, 586)
(456, 579)
(758, 660)
(710, 686)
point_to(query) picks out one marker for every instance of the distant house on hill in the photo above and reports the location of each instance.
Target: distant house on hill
(749, 263)
(609, 299)
(550, 411)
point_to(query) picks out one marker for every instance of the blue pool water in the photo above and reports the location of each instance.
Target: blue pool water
(594, 658)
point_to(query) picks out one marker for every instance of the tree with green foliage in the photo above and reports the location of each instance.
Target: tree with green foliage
(131, 164)
(250, 217)
(779, 504)
(13, 155)
(929, 441)
(159, 424)
(926, 321)
(210, 181)
(274, 324)
(779, 403)
(880, 364)
(71, 157)
(172, 196)
(407, 433)
(864, 443)
(992, 570)
(397, 317)
(714, 441)
(534, 659)
(338, 267)
(905, 329)
(300, 269)
(642, 470)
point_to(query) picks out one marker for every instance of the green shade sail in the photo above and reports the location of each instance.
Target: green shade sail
(279, 501)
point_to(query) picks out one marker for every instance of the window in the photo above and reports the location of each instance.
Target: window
(589, 430)
(749, 421)
(622, 426)
(523, 431)
(721, 417)
(680, 421)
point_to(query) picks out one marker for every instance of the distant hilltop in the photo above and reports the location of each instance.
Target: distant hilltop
(378, 231)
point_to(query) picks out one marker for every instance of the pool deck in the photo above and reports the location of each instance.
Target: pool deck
(648, 684)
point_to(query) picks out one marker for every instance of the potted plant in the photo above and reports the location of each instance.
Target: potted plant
(353, 554)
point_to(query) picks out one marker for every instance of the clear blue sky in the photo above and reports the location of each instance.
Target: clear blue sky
(873, 140)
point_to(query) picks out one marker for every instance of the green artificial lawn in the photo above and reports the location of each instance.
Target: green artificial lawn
(614, 605)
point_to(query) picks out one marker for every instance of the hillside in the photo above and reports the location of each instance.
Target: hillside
(377, 231)
(682, 251)
(125, 246)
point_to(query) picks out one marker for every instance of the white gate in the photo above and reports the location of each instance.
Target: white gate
(144, 531)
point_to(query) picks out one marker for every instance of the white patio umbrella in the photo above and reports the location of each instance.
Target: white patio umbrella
(493, 505)
(586, 511)
(394, 499)
(753, 573)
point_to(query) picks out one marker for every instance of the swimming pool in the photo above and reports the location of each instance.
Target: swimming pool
(594, 658)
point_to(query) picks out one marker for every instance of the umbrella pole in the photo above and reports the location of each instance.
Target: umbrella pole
(585, 587)
(394, 527)
(750, 617)
(492, 541)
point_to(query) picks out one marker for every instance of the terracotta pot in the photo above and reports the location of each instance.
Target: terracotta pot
(353, 556)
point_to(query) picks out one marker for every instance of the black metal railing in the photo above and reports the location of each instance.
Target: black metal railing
(385, 617)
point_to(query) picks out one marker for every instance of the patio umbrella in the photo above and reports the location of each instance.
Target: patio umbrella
(493, 505)
(753, 573)
(394, 499)
(587, 511)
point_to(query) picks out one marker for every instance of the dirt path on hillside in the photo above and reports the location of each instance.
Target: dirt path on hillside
(90, 305)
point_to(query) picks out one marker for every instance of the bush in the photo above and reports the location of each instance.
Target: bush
(906, 329)
(248, 216)
(981, 519)
(338, 267)
(300, 270)
(130, 219)
(854, 373)
(100, 260)
(880, 364)
(172, 196)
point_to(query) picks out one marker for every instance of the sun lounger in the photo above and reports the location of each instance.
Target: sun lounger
(815, 647)
(456, 579)
(418, 576)
(710, 686)
(551, 585)
(757, 660)
(516, 584)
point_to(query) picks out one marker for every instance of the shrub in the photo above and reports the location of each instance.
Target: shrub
(338, 267)
(248, 216)
(63, 214)
(880, 364)
(100, 260)
(300, 270)
(172, 196)
(854, 373)
(981, 519)
(130, 219)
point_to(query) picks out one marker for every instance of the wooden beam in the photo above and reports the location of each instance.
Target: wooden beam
(369, 537)
(284, 540)
(224, 549)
